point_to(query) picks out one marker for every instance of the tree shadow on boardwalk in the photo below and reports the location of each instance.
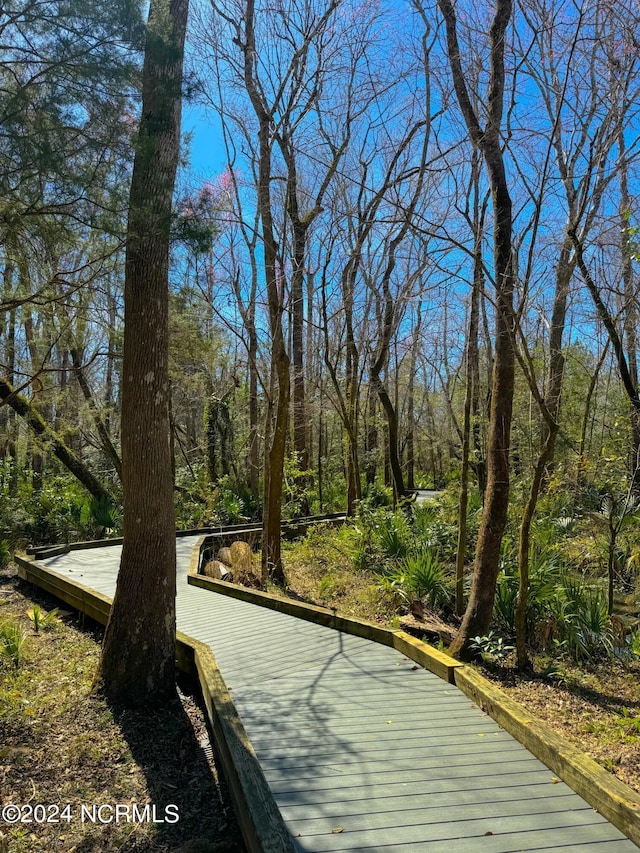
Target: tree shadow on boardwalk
(172, 748)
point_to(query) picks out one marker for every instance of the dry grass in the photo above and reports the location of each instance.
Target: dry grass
(63, 745)
(319, 570)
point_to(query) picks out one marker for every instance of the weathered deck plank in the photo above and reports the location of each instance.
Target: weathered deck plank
(351, 735)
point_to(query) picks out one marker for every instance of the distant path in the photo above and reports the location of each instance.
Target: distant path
(362, 749)
(423, 496)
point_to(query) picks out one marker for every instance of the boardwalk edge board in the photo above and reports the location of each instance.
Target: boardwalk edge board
(616, 801)
(263, 829)
(609, 796)
(45, 551)
(260, 819)
(427, 656)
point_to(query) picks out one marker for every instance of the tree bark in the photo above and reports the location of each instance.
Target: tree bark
(630, 309)
(470, 393)
(280, 365)
(411, 404)
(480, 607)
(137, 666)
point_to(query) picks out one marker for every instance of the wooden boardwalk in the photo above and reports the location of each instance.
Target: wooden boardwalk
(362, 749)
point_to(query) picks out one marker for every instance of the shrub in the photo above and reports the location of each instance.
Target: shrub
(419, 575)
(394, 535)
(582, 620)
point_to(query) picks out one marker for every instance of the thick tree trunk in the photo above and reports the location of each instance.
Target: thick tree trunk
(138, 655)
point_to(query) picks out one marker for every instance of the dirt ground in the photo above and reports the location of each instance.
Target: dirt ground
(596, 706)
(64, 752)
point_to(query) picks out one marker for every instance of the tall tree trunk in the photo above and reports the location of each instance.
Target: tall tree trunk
(630, 309)
(470, 392)
(300, 426)
(253, 455)
(550, 410)
(280, 365)
(411, 402)
(480, 607)
(103, 433)
(352, 396)
(35, 456)
(371, 436)
(111, 360)
(593, 381)
(137, 666)
(8, 436)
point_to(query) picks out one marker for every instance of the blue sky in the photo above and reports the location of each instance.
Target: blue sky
(207, 153)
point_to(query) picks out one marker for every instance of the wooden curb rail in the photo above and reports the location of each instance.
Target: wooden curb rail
(261, 824)
(427, 656)
(616, 801)
(259, 817)
(290, 527)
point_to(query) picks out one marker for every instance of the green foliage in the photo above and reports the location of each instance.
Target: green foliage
(582, 623)
(435, 525)
(491, 647)
(628, 721)
(226, 503)
(105, 515)
(41, 619)
(545, 567)
(376, 495)
(420, 576)
(298, 492)
(12, 640)
(5, 553)
(393, 535)
(634, 644)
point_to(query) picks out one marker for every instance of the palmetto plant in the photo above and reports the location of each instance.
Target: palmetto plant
(105, 514)
(418, 576)
(12, 639)
(394, 535)
(544, 575)
(42, 619)
(582, 619)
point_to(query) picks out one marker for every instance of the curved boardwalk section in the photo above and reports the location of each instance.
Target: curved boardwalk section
(362, 749)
